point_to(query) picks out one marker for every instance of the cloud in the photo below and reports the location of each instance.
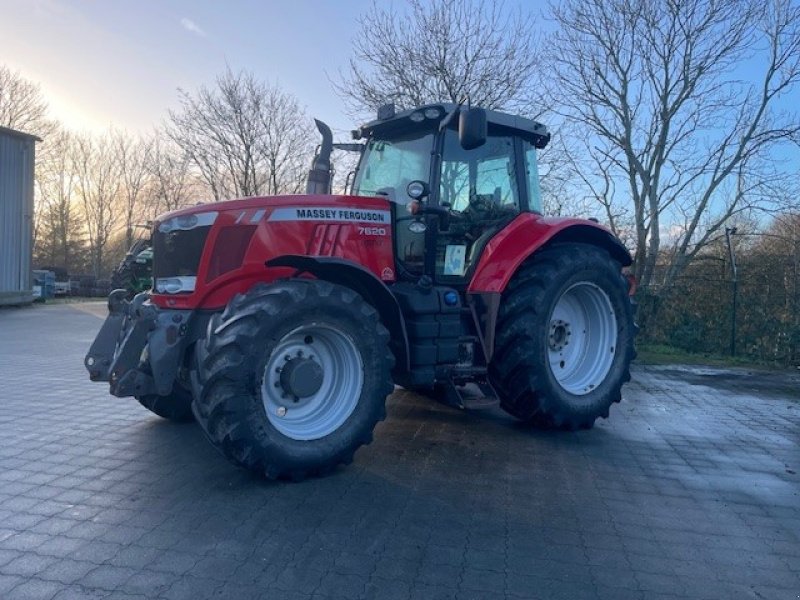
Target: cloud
(192, 27)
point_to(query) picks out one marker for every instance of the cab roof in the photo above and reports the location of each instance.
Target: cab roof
(389, 122)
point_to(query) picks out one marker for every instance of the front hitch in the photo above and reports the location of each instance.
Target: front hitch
(116, 353)
(101, 354)
(140, 347)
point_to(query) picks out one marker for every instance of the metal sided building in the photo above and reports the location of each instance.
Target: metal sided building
(17, 153)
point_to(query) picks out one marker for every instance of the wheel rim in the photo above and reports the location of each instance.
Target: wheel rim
(581, 338)
(326, 375)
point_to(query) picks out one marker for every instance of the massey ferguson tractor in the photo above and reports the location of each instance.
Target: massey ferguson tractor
(283, 323)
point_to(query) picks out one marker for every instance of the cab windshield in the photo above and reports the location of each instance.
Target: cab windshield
(388, 166)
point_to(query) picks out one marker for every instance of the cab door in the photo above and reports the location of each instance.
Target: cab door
(482, 189)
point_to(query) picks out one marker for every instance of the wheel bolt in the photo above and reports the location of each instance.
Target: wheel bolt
(281, 412)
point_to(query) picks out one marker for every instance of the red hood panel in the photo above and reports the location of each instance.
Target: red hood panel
(248, 232)
(276, 201)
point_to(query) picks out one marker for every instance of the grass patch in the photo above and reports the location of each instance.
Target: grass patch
(661, 354)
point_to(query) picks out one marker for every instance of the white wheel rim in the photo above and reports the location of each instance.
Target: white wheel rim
(342, 378)
(581, 338)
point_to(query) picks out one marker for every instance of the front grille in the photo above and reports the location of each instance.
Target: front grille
(177, 253)
(229, 250)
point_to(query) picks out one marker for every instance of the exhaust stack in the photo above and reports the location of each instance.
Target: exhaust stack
(319, 177)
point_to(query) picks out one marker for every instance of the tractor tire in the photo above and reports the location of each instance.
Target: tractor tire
(176, 407)
(293, 377)
(564, 340)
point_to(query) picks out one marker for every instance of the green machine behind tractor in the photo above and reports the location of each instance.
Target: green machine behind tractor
(135, 272)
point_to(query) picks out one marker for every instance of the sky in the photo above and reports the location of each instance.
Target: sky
(110, 62)
(118, 63)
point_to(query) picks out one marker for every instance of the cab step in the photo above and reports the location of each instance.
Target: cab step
(474, 395)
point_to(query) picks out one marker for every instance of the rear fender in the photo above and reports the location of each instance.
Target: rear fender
(373, 290)
(529, 233)
(509, 249)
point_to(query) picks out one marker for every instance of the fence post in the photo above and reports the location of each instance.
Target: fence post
(729, 231)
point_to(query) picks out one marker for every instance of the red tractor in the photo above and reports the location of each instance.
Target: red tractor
(282, 324)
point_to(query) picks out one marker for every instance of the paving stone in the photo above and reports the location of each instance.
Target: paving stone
(106, 577)
(27, 565)
(81, 593)
(60, 546)
(191, 588)
(34, 589)
(8, 583)
(172, 561)
(67, 571)
(147, 583)
(134, 557)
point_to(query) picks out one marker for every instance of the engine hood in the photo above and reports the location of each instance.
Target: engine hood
(316, 200)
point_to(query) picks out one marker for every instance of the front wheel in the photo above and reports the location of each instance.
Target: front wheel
(177, 406)
(564, 338)
(293, 377)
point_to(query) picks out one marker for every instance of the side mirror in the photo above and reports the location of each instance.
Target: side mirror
(417, 190)
(472, 128)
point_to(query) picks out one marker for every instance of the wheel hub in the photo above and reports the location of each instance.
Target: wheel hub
(560, 333)
(301, 377)
(312, 381)
(582, 338)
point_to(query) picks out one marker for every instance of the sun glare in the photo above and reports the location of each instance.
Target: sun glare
(71, 114)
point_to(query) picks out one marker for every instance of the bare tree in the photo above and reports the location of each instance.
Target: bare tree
(98, 186)
(245, 137)
(441, 50)
(172, 185)
(671, 129)
(58, 235)
(287, 147)
(132, 156)
(22, 105)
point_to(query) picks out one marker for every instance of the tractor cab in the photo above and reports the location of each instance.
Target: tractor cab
(455, 177)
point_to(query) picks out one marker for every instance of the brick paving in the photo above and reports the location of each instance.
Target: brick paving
(688, 491)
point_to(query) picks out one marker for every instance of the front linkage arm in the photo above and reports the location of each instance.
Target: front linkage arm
(118, 353)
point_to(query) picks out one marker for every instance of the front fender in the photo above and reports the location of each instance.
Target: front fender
(530, 232)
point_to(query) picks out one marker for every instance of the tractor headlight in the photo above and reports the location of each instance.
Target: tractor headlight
(175, 285)
(432, 113)
(187, 222)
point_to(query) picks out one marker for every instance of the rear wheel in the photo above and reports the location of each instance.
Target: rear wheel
(564, 338)
(293, 378)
